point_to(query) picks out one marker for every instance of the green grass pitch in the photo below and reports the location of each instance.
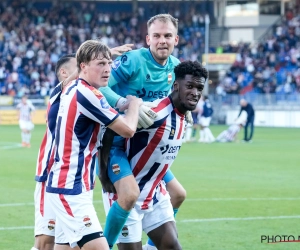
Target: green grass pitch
(236, 192)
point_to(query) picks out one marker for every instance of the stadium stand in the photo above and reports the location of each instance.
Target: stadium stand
(33, 35)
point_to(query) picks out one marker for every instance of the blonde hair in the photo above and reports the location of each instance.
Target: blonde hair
(91, 50)
(163, 18)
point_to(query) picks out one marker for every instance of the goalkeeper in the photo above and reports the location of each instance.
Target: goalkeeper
(148, 74)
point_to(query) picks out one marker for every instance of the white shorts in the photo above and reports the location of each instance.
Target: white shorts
(27, 125)
(44, 222)
(143, 220)
(75, 217)
(204, 121)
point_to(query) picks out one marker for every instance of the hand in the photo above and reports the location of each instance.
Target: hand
(146, 115)
(117, 51)
(189, 118)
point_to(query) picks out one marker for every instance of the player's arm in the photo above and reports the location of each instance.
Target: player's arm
(126, 125)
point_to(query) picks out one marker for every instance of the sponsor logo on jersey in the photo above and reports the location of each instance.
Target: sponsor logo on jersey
(147, 77)
(87, 221)
(116, 64)
(51, 224)
(116, 168)
(124, 58)
(104, 103)
(96, 92)
(125, 231)
(169, 78)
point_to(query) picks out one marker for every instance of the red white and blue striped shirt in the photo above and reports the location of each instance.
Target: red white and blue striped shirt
(151, 151)
(45, 156)
(81, 112)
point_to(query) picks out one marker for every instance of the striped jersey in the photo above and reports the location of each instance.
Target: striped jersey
(46, 154)
(152, 151)
(77, 136)
(25, 110)
(230, 134)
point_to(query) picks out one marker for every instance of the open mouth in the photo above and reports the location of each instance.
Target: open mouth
(192, 102)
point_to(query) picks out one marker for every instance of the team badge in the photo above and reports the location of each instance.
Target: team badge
(172, 132)
(51, 224)
(116, 168)
(96, 92)
(169, 78)
(104, 103)
(116, 64)
(125, 231)
(87, 221)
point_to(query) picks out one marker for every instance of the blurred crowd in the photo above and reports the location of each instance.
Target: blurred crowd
(272, 66)
(34, 35)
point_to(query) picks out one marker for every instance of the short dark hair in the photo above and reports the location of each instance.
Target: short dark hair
(64, 59)
(190, 68)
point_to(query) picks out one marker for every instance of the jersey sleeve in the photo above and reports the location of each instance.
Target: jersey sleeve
(123, 69)
(94, 105)
(111, 96)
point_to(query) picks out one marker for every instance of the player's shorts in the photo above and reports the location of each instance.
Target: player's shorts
(143, 220)
(44, 216)
(118, 165)
(195, 117)
(75, 217)
(205, 121)
(27, 125)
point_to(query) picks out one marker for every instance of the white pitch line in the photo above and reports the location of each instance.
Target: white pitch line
(192, 221)
(11, 146)
(245, 199)
(241, 219)
(189, 200)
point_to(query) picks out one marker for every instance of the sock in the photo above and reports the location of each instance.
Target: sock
(23, 136)
(209, 134)
(33, 248)
(175, 210)
(28, 137)
(188, 133)
(201, 135)
(194, 133)
(150, 242)
(115, 221)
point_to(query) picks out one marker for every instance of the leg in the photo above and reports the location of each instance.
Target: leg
(127, 190)
(165, 237)
(245, 131)
(130, 246)
(251, 129)
(176, 192)
(44, 242)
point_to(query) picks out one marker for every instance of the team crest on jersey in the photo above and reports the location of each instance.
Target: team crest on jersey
(51, 224)
(125, 231)
(116, 64)
(96, 92)
(169, 78)
(104, 103)
(116, 168)
(87, 221)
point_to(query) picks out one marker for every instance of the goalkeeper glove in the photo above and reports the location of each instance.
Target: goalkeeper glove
(146, 115)
(189, 118)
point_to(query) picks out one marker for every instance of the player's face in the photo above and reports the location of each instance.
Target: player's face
(161, 38)
(96, 72)
(189, 92)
